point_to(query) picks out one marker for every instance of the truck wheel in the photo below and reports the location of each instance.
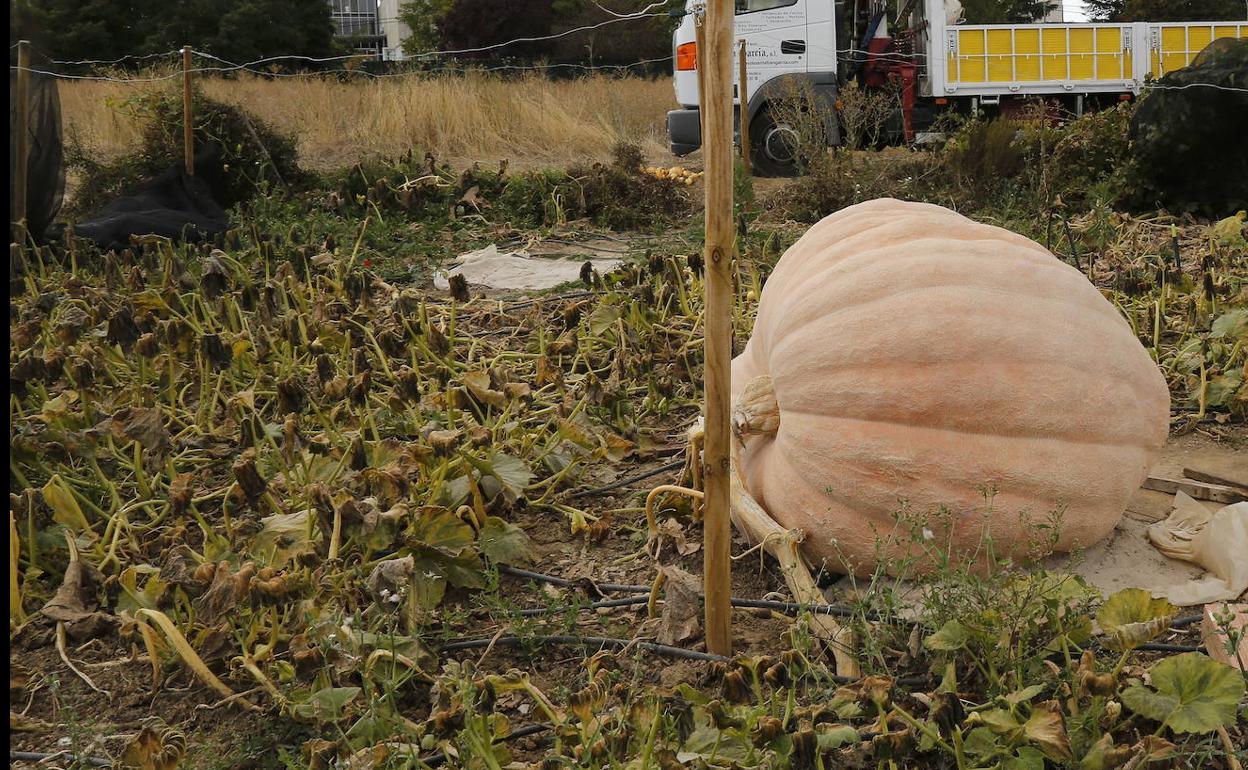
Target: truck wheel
(773, 146)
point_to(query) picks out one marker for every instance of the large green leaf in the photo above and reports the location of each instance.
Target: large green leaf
(441, 528)
(1132, 617)
(1027, 758)
(1232, 324)
(503, 542)
(1193, 694)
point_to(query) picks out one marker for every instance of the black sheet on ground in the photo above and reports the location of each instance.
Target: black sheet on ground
(172, 204)
(45, 172)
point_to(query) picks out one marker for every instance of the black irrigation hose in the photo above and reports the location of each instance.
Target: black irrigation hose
(39, 756)
(629, 480)
(584, 641)
(565, 583)
(763, 604)
(1185, 620)
(602, 641)
(625, 602)
(439, 759)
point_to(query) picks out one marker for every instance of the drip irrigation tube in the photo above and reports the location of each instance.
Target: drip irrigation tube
(763, 604)
(629, 480)
(39, 756)
(439, 759)
(584, 641)
(602, 642)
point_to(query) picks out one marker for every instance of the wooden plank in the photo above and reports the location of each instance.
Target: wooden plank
(21, 142)
(188, 128)
(1210, 478)
(1215, 493)
(715, 63)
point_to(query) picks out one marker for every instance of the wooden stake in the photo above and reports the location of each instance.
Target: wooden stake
(744, 110)
(715, 63)
(188, 127)
(21, 142)
(699, 60)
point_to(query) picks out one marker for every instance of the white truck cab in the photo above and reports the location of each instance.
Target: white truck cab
(783, 39)
(932, 61)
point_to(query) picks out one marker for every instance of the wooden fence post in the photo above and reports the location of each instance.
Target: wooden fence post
(744, 113)
(188, 128)
(716, 105)
(21, 142)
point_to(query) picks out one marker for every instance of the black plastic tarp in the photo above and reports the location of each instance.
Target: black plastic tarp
(45, 172)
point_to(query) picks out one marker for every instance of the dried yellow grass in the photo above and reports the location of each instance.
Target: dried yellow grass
(478, 116)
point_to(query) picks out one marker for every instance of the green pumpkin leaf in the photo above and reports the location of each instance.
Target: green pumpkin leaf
(831, 737)
(1027, 758)
(1192, 694)
(1132, 617)
(951, 636)
(1233, 324)
(326, 705)
(503, 542)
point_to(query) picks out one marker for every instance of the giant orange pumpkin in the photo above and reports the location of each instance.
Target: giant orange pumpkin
(921, 361)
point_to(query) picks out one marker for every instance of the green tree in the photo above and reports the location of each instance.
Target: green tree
(1005, 11)
(424, 18)
(1166, 10)
(238, 30)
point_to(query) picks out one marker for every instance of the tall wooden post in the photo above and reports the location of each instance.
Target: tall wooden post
(715, 61)
(21, 142)
(699, 38)
(188, 126)
(743, 95)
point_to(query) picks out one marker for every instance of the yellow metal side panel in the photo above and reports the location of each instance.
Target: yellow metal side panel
(1000, 56)
(1053, 43)
(971, 59)
(1081, 44)
(1027, 54)
(1198, 38)
(1109, 53)
(1173, 49)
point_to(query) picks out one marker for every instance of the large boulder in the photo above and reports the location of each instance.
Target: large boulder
(1189, 132)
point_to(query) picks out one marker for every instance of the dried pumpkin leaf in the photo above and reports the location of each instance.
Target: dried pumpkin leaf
(1047, 729)
(1132, 617)
(282, 537)
(65, 508)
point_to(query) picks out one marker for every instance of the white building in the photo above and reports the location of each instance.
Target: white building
(373, 26)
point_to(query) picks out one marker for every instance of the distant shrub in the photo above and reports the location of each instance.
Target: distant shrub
(254, 155)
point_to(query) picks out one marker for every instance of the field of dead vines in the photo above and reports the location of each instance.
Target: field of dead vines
(277, 503)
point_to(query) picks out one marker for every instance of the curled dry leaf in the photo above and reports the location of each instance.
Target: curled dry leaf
(682, 606)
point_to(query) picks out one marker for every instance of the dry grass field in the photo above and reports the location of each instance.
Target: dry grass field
(530, 120)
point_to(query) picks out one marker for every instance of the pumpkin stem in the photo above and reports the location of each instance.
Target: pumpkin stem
(756, 409)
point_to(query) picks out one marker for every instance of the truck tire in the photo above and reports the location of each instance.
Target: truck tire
(773, 147)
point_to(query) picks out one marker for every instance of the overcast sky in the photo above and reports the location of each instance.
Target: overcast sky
(1073, 10)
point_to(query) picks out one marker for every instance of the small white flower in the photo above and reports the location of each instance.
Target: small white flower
(385, 593)
(928, 534)
(394, 599)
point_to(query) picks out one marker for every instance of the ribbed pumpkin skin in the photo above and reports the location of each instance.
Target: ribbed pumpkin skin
(920, 359)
